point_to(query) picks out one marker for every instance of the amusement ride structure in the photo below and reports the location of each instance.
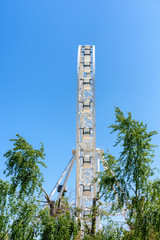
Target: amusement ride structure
(86, 155)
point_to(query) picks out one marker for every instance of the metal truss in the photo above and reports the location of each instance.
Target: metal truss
(86, 158)
(66, 172)
(86, 154)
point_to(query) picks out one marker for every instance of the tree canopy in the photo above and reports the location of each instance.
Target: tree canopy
(127, 183)
(21, 215)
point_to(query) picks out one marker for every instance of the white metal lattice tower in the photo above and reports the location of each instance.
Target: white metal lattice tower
(86, 159)
(86, 155)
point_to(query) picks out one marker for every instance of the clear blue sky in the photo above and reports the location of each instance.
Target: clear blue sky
(38, 57)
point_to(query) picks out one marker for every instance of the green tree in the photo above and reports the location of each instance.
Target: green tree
(61, 226)
(22, 165)
(126, 181)
(19, 208)
(21, 216)
(4, 210)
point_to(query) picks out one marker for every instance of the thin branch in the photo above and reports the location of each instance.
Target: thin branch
(131, 187)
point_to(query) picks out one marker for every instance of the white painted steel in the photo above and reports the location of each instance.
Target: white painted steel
(61, 178)
(86, 155)
(86, 188)
(65, 181)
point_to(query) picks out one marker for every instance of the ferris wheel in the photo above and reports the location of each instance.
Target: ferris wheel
(86, 155)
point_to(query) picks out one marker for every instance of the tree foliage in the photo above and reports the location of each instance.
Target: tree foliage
(62, 226)
(127, 180)
(21, 216)
(22, 165)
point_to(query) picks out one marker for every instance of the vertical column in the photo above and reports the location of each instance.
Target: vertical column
(86, 135)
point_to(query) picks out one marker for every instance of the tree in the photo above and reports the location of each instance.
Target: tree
(61, 226)
(22, 165)
(4, 211)
(18, 205)
(21, 216)
(126, 180)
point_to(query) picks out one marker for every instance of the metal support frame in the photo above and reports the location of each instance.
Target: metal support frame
(68, 168)
(65, 181)
(86, 171)
(86, 132)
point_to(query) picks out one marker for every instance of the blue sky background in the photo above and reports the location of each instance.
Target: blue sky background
(38, 57)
